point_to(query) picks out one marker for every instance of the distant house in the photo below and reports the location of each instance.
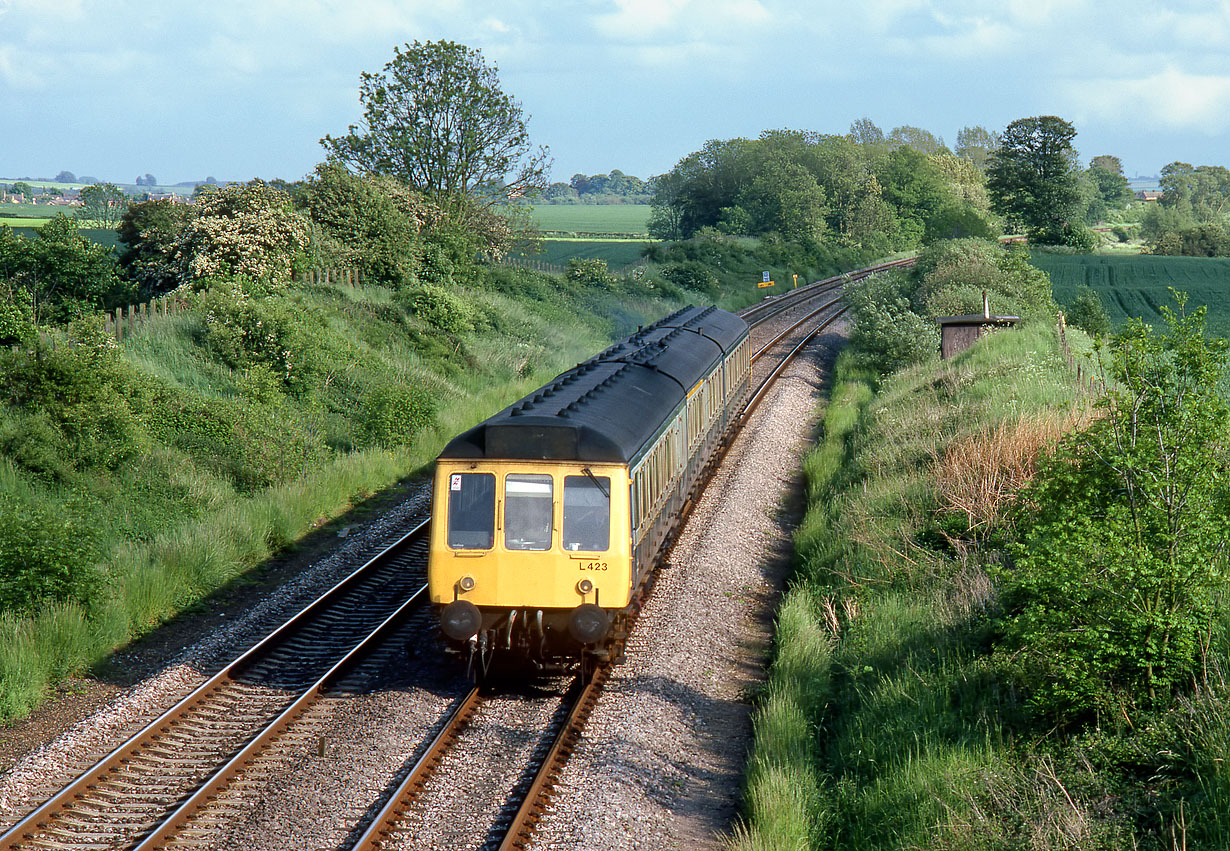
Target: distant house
(1149, 194)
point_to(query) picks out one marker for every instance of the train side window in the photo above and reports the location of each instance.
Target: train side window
(471, 511)
(527, 512)
(587, 513)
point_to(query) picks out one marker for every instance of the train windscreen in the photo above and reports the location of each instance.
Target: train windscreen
(471, 511)
(587, 513)
(527, 512)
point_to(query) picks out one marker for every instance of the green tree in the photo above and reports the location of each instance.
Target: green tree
(1111, 600)
(917, 138)
(22, 188)
(1088, 313)
(437, 119)
(1032, 179)
(1202, 192)
(148, 231)
(102, 203)
(865, 132)
(365, 226)
(60, 273)
(976, 144)
(1110, 190)
(783, 197)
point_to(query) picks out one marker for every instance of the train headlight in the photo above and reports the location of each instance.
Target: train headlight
(460, 620)
(588, 624)
(585, 587)
(466, 583)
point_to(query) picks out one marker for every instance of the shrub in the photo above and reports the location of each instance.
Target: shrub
(950, 276)
(691, 275)
(365, 226)
(1112, 598)
(439, 308)
(1087, 313)
(45, 553)
(71, 406)
(393, 415)
(885, 334)
(589, 272)
(250, 445)
(245, 229)
(243, 329)
(16, 317)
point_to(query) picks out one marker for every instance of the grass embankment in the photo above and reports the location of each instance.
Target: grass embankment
(883, 725)
(891, 718)
(195, 451)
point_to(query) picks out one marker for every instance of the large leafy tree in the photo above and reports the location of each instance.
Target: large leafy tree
(102, 203)
(436, 118)
(976, 144)
(1033, 180)
(1109, 189)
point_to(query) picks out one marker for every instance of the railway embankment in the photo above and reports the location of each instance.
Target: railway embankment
(907, 704)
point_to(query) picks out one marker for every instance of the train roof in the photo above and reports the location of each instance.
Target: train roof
(606, 409)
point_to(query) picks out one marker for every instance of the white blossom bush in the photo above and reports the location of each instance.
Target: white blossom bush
(249, 230)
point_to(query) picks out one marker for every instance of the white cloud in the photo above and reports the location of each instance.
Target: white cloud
(1171, 98)
(660, 20)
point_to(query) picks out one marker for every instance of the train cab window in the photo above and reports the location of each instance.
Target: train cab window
(471, 511)
(527, 512)
(587, 513)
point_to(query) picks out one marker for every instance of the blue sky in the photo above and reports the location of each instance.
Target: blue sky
(236, 89)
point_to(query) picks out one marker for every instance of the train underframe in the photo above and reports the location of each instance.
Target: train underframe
(539, 640)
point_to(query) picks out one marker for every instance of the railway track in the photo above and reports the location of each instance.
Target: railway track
(153, 785)
(161, 787)
(393, 825)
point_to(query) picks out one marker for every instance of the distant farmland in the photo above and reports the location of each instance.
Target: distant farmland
(1137, 285)
(593, 218)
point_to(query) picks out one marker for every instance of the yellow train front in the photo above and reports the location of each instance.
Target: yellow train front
(547, 516)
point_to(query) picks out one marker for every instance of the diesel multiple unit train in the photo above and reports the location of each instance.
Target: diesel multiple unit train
(548, 515)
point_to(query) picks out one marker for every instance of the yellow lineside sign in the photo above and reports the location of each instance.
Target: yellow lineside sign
(765, 282)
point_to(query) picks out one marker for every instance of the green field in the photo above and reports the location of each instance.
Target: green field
(1136, 286)
(29, 229)
(593, 218)
(616, 254)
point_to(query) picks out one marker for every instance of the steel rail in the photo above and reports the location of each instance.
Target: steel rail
(763, 350)
(36, 821)
(384, 825)
(777, 371)
(775, 304)
(526, 819)
(180, 818)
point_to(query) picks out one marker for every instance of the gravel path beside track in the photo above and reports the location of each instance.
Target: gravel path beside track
(661, 762)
